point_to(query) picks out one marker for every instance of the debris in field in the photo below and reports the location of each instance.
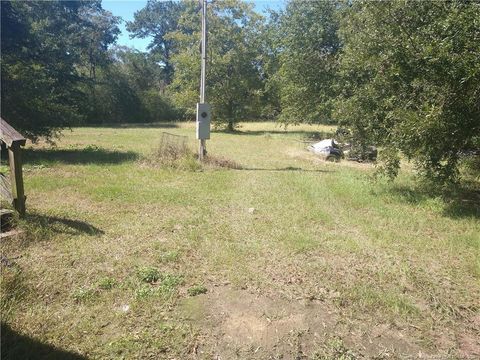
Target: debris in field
(329, 149)
(251, 210)
(125, 308)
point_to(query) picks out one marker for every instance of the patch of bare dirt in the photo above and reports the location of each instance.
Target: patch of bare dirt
(237, 324)
(469, 340)
(469, 346)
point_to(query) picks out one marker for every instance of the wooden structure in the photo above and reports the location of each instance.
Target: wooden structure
(13, 141)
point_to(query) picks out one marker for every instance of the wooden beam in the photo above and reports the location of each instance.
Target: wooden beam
(9, 135)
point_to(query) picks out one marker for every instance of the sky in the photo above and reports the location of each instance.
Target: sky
(126, 8)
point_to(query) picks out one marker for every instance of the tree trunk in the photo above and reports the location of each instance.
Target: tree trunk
(230, 126)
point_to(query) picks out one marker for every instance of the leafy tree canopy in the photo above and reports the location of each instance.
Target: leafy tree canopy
(156, 20)
(411, 81)
(233, 75)
(45, 45)
(308, 47)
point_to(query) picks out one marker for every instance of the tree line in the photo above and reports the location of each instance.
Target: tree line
(403, 75)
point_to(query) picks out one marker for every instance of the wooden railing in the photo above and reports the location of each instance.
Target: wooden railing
(13, 140)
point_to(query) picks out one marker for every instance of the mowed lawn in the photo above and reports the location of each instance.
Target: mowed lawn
(286, 257)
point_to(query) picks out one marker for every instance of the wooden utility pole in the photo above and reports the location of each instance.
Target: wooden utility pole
(204, 51)
(203, 109)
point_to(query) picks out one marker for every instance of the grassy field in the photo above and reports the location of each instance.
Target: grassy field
(285, 257)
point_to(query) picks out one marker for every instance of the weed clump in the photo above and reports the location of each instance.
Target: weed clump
(169, 281)
(335, 349)
(148, 274)
(144, 292)
(197, 290)
(164, 285)
(84, 294)
(106, 283)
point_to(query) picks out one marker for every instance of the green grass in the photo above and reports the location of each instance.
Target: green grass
(109, 230)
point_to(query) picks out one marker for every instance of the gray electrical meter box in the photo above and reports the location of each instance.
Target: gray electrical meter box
(204, 116)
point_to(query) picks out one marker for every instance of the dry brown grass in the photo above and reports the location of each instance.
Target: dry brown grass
(174, 152)
(221, 162)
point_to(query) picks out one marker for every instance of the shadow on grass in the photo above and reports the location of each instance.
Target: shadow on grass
(56, 224)
(288, 168)
(306, 134)
(461, 202)
(88, 155)
(19, 346)
(156, 125)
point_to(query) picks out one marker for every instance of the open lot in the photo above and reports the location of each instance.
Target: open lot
(286, 256)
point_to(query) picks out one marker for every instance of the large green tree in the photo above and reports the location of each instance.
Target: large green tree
(46, 45)
(233, 76)
(156, 20)
(411, 81)
(307, 47)
(269, 65)
(130, 89)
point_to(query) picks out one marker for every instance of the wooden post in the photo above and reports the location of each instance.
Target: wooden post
(16, 175)
(14, 140)
(202, 150)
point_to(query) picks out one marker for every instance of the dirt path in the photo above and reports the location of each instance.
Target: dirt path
(238, 324)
